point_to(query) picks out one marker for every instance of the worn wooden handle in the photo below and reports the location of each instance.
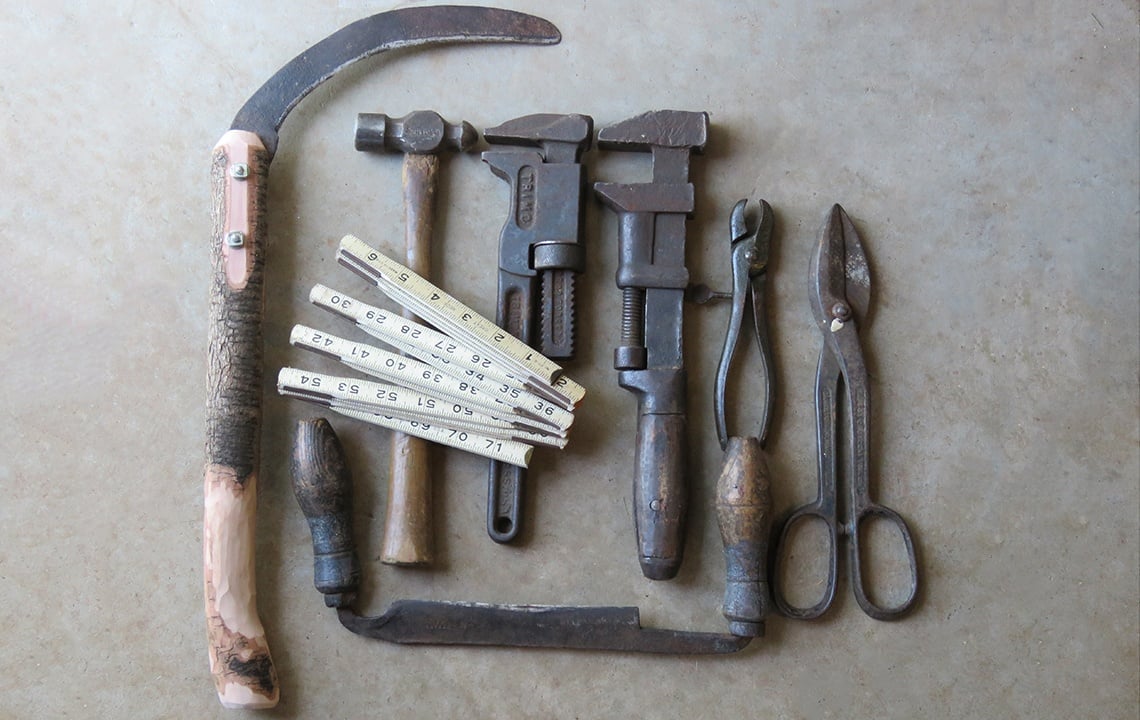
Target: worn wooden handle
(322, 485)
(407, 521)
(239, 655)
(660, 485)
(408, 534)
(744, 511)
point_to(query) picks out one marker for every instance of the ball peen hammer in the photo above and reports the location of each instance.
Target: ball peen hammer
(422, 136)
(240, 661)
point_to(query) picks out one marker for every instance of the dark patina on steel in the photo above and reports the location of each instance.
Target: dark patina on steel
(653, 277)
(840, 297)
(744, 500)
(541, 250)
(239, 655)
(322, 484)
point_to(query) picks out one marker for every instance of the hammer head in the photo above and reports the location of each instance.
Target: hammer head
(422, 132)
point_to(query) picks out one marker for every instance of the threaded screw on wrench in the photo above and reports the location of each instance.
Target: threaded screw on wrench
(631, 354)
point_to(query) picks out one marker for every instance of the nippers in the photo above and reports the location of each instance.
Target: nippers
(840, 295)
(743, 493)
(749, 273)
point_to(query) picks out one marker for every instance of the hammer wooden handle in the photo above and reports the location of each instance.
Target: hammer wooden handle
(744, 512)
(407, 522)
(239, 655)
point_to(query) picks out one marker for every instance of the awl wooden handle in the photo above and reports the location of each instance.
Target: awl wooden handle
(239, 655)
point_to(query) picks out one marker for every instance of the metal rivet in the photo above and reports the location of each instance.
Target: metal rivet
(235, 239)
(840, 311)
(239, 171)
(655, 505)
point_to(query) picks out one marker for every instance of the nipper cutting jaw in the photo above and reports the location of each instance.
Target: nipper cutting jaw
(749, 272)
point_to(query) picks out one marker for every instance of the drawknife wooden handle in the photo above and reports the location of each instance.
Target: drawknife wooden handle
(239, 655)
(322, 485)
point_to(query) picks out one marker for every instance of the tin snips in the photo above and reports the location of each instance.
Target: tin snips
(840, 280)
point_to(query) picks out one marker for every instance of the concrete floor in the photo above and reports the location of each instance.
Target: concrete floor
(989, 154)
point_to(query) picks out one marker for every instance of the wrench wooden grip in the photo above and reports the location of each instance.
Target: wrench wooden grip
(322, 485)
(408, 536)
(743, 512)
(239, 655)
(660, 488)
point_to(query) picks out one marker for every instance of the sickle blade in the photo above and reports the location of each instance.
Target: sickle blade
(266, 110)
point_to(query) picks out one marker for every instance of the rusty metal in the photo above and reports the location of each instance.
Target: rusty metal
(421, 132)
(423, 137)
(267, 108)
(743, 489)
(749, 249)
(840, 296)
(653, 277)
(239, 655)
(540, 253)
(323, 486)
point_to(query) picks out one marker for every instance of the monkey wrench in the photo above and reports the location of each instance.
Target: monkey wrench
(239, 655)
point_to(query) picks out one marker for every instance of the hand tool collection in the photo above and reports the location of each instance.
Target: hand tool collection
(451, 377)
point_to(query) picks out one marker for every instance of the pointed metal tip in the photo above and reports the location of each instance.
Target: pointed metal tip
(767, 219)
(738, 225)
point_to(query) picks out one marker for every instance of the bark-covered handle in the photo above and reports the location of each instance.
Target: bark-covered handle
(744, 511)
(239, 655)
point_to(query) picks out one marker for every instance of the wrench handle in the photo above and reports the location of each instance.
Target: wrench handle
(660, 489)
(239, 655)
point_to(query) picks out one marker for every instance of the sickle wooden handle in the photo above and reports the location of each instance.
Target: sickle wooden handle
(744, 512)
(239, 655)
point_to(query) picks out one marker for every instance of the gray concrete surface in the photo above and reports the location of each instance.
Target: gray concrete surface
(988, 152)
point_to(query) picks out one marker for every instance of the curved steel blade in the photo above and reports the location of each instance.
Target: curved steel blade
(266, 110)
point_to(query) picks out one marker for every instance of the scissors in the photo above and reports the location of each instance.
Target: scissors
(840, 295)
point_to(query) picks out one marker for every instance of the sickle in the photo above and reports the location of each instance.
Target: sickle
(239, 655)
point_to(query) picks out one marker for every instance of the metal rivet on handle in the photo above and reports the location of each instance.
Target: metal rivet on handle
(235, 239)
(239, 171)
